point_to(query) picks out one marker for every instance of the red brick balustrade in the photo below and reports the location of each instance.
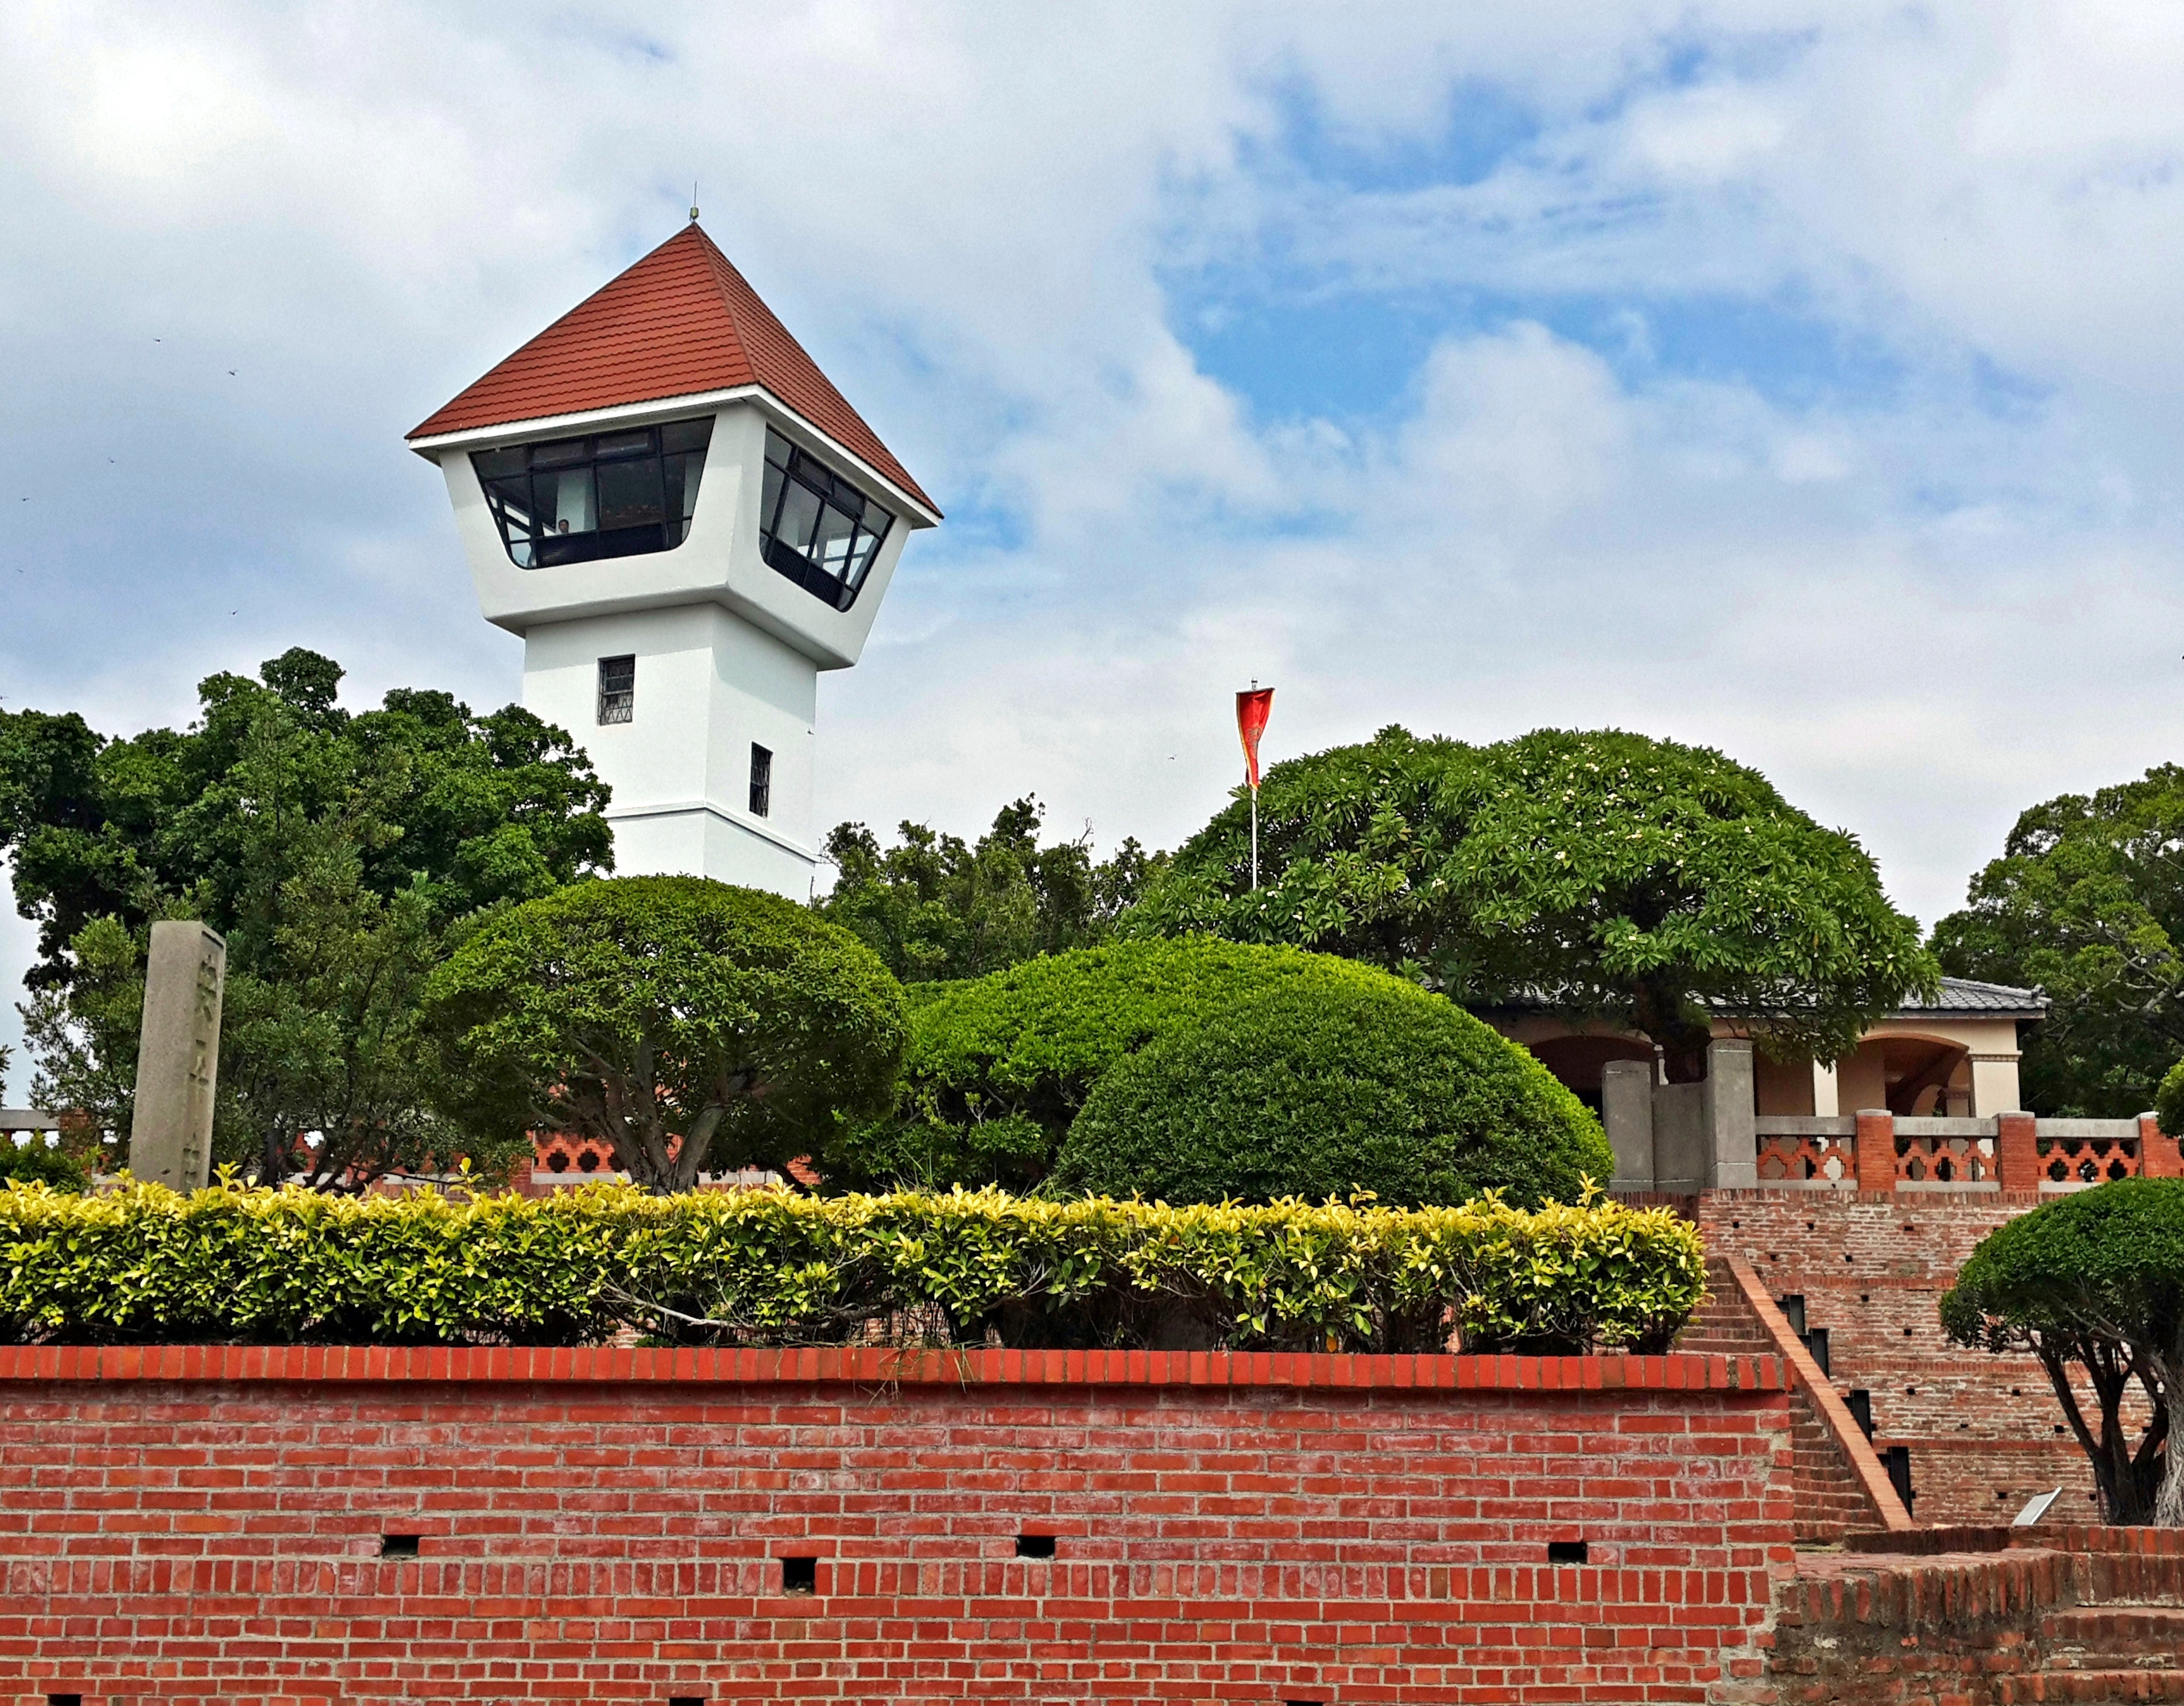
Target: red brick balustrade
(2016, 1152)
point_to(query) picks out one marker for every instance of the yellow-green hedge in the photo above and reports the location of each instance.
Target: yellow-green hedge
(274, 1267)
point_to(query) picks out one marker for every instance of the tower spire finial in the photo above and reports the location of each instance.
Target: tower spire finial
(693, 201)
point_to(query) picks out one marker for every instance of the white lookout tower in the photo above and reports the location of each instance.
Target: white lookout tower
(686, 522)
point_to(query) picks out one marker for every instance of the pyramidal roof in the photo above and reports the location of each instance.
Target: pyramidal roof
(679, 321)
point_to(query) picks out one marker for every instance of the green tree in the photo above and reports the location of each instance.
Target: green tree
(999, 1066)
(678, 1020)
(1604, 875)
(33, 1164)
(1318, 1089)
(2086, 903)
(337, 852)
(2092, 1284)
(934, 907)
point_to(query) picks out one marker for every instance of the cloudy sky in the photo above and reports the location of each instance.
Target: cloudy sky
(1798, 379)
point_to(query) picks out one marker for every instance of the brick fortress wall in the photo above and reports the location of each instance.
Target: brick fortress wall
(1985, 1433)
(193, 1526)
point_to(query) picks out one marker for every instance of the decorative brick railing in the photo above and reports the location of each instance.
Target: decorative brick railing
(2076, 1152)
(1808, 1154)
(1949, 1154)
(1874, 1151)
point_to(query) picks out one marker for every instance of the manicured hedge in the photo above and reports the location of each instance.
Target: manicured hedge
(997, 1066)
(230, 1265)
(1319, 1089)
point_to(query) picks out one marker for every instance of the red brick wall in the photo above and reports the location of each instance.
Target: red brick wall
(1985, 1432)
(194, 1526)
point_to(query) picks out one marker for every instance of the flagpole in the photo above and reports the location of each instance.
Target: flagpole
(1255, 837)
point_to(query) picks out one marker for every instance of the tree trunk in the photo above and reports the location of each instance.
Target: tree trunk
(270, 1172)
(2169, 1503)
(1663, 1014)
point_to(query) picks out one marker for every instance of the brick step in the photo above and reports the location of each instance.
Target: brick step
(2112, 1637)
(2089, 1687)
(2120, 1579)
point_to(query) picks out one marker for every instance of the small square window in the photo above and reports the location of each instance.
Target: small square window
(617, 690)
(761, 788)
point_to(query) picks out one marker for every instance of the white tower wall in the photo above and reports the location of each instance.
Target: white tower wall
(708, 687)
(728, 651)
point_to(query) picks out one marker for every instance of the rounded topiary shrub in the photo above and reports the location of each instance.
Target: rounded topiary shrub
(998, 1067)
(690, 1025)
(1320, 1089)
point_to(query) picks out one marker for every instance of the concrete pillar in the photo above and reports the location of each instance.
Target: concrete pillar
(1827, 1090)
(1731, 1103)
(1626, 1109)
(1875, 1151)
(1683, 1148)
(2017, 1150)
(1994, 1085)
(178, 1057)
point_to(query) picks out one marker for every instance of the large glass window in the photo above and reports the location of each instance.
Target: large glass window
(820, 532)
(613, 494)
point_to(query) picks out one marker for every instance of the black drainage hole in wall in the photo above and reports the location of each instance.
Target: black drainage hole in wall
(1568, 1552)
(686, 1700)
(398, 1544)
(1034, 1545)
(800, 1575)
(63, 1700)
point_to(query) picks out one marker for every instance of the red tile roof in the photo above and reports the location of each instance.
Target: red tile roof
(681, 320)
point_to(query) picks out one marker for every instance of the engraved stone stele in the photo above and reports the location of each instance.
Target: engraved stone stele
(178, 1059)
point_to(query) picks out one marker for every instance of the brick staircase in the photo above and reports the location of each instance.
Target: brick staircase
(1833, 1492)
(2092, 1616)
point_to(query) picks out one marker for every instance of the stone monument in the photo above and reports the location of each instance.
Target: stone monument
(178, 1058)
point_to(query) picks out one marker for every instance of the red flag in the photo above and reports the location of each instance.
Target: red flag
(1251, 709)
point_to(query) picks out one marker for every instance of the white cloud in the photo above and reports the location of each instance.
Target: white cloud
(1921, 590)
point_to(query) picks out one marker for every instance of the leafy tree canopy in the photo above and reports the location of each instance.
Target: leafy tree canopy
(2094, 1284)
(999, 1066)
(2086, 903)
(336, 851)
(1316, 1090)
(1605, 875)
(472, 809)
(682, 1021)
(932, 906)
